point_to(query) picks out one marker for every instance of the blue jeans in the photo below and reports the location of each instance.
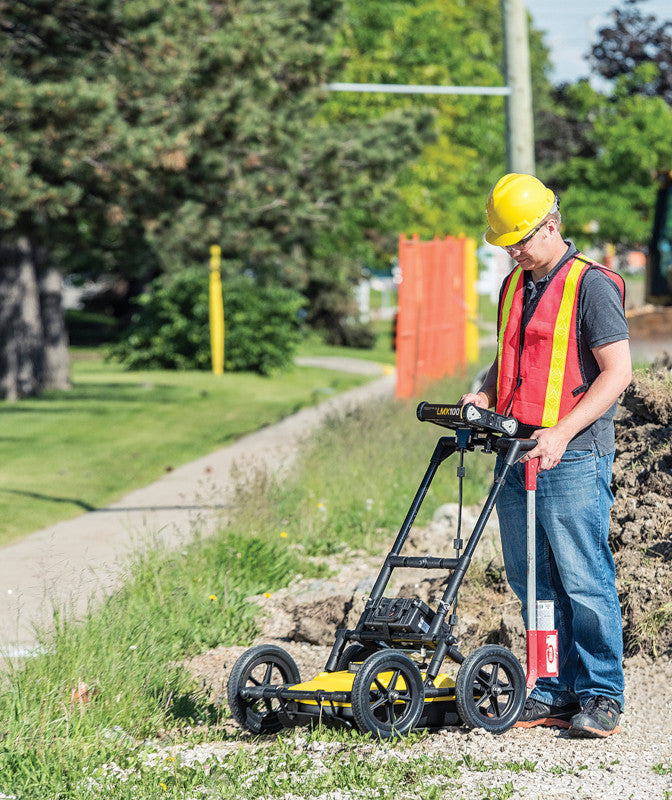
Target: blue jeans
(575, 569)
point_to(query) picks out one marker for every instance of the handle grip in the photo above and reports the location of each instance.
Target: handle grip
(467, 416)
(531, 470)
(523, 445)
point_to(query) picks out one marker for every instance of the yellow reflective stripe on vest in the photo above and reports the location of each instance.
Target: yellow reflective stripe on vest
(563, 325)
(506, 310)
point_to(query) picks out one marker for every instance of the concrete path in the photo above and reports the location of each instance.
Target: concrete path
(358, 366)
(78, 561)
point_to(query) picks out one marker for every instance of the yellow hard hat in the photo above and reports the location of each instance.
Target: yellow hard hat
(516, 205)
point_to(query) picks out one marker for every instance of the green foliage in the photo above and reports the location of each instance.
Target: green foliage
(171, 330)
(604, 172)
(330, 310)
(445, 43)
(600, 150)
(262, 324)
(157, 129)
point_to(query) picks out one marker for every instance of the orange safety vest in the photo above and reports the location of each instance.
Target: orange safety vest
(540, 377)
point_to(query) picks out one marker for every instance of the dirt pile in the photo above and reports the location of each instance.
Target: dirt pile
(641, 523)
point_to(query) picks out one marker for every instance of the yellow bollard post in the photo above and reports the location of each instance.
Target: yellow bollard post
(216, 311)
(471, 299)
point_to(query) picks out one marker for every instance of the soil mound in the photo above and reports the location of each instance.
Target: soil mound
(641, 521)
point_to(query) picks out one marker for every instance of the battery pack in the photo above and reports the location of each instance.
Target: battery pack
(395, 616)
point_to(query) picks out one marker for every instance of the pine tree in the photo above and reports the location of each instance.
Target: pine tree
(135, 134)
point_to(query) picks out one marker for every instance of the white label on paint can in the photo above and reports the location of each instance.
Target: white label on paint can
(545, 615)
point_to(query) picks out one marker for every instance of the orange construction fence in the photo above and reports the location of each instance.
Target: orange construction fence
(436, 323)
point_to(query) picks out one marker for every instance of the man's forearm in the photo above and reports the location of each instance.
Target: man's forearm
(603, 393)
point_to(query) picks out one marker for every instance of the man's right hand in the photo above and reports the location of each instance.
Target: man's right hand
(480, 399)
(486, 396)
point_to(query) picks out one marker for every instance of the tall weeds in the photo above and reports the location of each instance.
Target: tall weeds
(358, 475)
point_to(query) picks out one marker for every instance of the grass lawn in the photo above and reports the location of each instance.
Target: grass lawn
(67, 453)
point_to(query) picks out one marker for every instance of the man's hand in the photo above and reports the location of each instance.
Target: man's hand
(550, 448)
(480, 399)
(487, 394)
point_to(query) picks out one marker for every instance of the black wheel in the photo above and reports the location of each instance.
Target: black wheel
(490, 689)
(353, 652)
(264, 665)
(387, 694)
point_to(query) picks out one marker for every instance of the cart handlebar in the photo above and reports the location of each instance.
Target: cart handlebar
(467, 416)
(522, 445)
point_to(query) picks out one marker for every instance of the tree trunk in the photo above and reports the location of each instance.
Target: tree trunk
(55, 357)
(32, 339)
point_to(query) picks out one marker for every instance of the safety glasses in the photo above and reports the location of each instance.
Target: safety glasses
(522, 244)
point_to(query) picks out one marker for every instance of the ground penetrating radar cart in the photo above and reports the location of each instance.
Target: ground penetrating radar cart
(384, 676)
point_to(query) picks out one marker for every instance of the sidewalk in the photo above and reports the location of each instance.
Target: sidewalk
(81, 560)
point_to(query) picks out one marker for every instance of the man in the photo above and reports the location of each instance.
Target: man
(563, 359)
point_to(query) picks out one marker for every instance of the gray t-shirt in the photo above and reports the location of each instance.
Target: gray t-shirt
(600, 320)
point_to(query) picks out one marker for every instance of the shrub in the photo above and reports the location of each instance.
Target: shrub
(332, 310)
(351, 334)
(262, 325)
(171, 327)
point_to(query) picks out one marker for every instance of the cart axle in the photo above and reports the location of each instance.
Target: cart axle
(287, 693)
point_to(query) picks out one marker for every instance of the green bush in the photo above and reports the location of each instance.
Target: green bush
(171, 328)
(348, 333)
(89, 329)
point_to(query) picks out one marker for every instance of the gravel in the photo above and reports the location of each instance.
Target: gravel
(636, 764)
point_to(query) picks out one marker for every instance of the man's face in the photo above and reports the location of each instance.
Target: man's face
(526, 251)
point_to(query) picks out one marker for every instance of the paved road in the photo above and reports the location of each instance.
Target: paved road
(74, 562)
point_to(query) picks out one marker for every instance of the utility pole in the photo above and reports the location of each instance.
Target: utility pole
(519, 122)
